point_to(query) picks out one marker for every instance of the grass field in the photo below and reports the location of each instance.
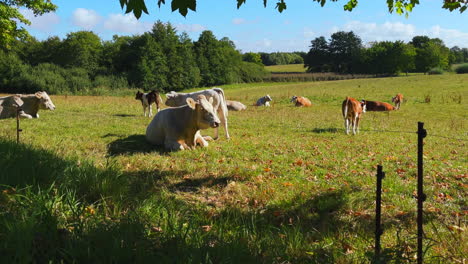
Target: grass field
(286, 68)
(288, 187)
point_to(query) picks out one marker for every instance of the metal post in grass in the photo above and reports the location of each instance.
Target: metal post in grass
(18, 129)
(378, 205)
(422, 133)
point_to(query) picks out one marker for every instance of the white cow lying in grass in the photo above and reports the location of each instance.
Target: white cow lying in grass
(29, 104)
(178, 128)
(219, 103)
(235, 106)
(264, 101)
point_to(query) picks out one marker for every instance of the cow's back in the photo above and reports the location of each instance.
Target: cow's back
(9, 106)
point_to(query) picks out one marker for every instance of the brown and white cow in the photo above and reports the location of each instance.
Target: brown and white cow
(219, 104)
(397, 100)
(352, 110)
(375, 106)
(147, 99)
(178, 128)
(235, 106)
(301, 101)
(28, 103)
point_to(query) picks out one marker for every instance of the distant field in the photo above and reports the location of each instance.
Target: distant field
(286, 68)
(288, 187)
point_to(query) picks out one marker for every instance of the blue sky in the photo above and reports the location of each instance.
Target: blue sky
(255, 28)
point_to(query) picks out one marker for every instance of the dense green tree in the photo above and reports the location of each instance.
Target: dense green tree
(345, 48)
(190, 75)
(388, 57)
(252, 57)
(456, 55)
(318, 58)
(430, 53)
(81, 49)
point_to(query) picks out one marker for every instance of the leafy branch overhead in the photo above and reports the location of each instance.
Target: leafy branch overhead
(397, 6)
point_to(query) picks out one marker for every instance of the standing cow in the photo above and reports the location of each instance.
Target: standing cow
(178, 128)
(28, 103)
(264, 101)
(300, 101)
(397, 100)
(219, 104)
(352, 110)
(147, 99)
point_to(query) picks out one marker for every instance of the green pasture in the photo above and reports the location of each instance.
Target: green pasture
(289, 186)
(286, 68)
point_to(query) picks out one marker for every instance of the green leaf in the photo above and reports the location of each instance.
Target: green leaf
(463, 9)
(123, 3)
(161, 2)
(240, 3)
(281, 6)
(264, 3)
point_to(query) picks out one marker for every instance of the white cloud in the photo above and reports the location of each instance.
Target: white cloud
(308, 33)
(45, 22)
(190, 27)
(238, 21)
(85, 18)
(242, 21)
(126, 24)
(399, 31)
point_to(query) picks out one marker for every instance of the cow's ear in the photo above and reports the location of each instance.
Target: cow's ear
(210, 100)
(191, 103)
(38, 95)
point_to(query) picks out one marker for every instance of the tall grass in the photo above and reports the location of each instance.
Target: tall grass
(288, 187)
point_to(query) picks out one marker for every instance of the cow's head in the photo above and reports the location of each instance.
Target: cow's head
(172, 99)
(363, 105)
(293, 99)
(268, 98)
(205, 114)
(139, 95)
(45, 102)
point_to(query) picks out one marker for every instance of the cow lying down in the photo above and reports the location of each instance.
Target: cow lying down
(235, 106)
(178, 128)
(29, 104)
(219, 104)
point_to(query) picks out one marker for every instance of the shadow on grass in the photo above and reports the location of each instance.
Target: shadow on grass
(135, 221)
(124, 115)
(131, 145)
(327, 130)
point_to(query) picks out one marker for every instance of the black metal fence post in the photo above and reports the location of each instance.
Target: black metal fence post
(378, 205)
(421, 196)
(18, 129)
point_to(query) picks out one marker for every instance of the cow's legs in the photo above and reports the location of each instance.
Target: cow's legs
(346, 124)
(358, 119)
(200, 140)
(216, 135)
(22, 114)
(354, 124)
(224, 122)
(172, 145)
(144, 110)
(150, 111)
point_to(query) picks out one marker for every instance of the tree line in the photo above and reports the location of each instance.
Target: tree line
(160, 59)
(344, 52)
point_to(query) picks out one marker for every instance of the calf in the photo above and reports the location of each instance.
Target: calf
(265, 101)
(397, 100)
(28, 103)
(219, 103)
(300, 101)
(377, 106)
(147, 99)
(352, 110)
(235, 106)
(178, 128)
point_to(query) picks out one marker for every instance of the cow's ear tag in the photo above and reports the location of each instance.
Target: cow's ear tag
(38, 95)
(191, 103)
